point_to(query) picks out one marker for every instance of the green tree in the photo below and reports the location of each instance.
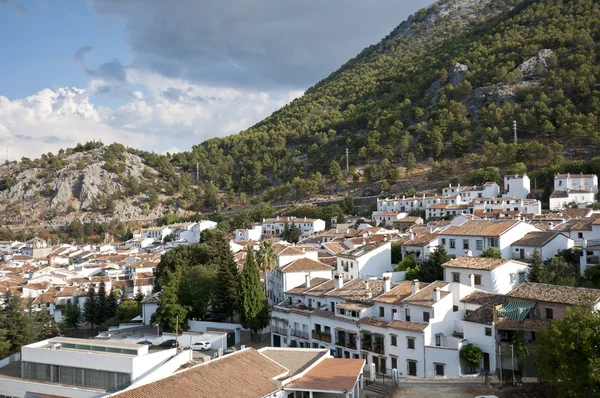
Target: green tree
(291, 233)
(170, 315)
(196, 289)
(335, 172)
(226, 289)
(347, 205)
(536, 268)
(266, 259)
(431, 269)
(103, 310)
(592, 274)
(139, 295)
(491, 252)
(72, 315)
(406, 263)
(560, 272)
(410, 162)
(568, 356)
(90, 308)
(253, 307)
(128, 310)
(396, 253)
(472, 355)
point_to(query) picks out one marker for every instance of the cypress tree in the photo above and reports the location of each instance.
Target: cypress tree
(90, 307)
(226, 293)
(536, 269)
(112, 303)
(252, 301)
(103, 312)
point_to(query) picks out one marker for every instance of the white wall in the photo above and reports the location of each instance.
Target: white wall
(550, 250)
(13, 387)
(517, 187)
(166, 369)
(448, 357)
(475, 333)
(561, 203)
(148, 309)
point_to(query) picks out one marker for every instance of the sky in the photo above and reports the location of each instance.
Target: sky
(168, 74)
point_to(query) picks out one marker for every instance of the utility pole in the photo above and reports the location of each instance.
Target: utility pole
(515, 129)
(347, 162)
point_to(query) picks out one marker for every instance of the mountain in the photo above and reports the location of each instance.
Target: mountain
(441, 92)
(444, 82)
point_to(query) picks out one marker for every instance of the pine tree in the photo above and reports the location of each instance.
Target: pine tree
(169, 311)
(536, 268)
(72, 315)
(252, 300)
(335, 172)
(225, 300)
(90, 307)
(139, 296)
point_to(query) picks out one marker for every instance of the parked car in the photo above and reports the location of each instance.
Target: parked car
(146, 342)
(172, 343)
(201, 346)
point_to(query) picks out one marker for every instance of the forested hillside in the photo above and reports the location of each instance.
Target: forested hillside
(439, 86)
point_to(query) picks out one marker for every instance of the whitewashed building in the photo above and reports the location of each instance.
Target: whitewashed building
(547, 243)
(475, 236)
(516, 186)
(492, 275)
(368, 260)
(582, 182)
(561, 199)
(524, 206)
(248, 234)
(158, 234)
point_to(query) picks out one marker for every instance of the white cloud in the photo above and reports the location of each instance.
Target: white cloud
(176, 112)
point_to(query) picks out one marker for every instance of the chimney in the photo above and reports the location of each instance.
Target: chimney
(339, 281)
(415, 286)
(366, 285)
(307, 277)
(550, 226)
(436, 294)
(387, 284)
(472, 278)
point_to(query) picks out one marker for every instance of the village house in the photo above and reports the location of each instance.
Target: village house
(583, 182)
(517, 186)
(158, 234)
(487, 190)
(561, 199)
(248, 234)
(547, 243)
(307, 226)
(421, 246)
(492, 275)
(524, 206)
(370, 259)
(475, 236)
(387, 218)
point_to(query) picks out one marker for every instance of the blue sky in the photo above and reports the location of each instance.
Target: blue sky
(180, 71)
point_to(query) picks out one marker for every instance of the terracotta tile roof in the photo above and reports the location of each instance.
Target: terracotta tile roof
(484, 314)
(574, 213)
(421, 240)
(335, 247)
(532, 324)
(331, 374)
(353, 306)
(143, 281)
(424, 297)
(358, 289)
(484, 298)
(67, 291)
(314, 282)
(410, 326)
(397, 294)
(480, 263)
(322, 288)
(438, 205)
(296, 360)
(243, 374)
(574, 176)
(305, 264)
(481, 228)
(373, 322)
(362, 250)
(554, 293)
(536, 239)
(44, 298)
(37, 286)
(565, 194)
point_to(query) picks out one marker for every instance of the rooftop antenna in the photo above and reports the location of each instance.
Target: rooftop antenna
(515, 129)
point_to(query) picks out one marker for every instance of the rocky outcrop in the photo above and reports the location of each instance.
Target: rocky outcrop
(497, 93)
(457, 73)
(530, 67)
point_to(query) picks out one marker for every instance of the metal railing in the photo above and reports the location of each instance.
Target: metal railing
(279, 330)
(346, 343)
(322, 336)
(299, 333)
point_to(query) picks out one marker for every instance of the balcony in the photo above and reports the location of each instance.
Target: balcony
(373, 344)
(279, 330)
(300, 334)
(322, 336)
(346, 344)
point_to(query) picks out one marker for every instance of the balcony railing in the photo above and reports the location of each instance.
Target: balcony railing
(378, 349)
(279, 330)
(322, 336)
(299, 333)
(346, 343)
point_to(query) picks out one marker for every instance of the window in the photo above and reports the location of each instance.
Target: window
(444, 241)
(478, 280)
(466, 244)
(488, 331)
(410, 343)
(394, 312)
(394, 339)
(455, 277)
(425, 316)
(454, 308)
(407, 315)
(493, 242)
(438, 340)
(479, 244)
(381, 312)
(580, 235)
(452, 244)
(549, 313)
(439, 369)
(522, 277)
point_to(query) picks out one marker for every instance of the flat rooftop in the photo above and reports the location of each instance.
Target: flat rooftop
(94, 342)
